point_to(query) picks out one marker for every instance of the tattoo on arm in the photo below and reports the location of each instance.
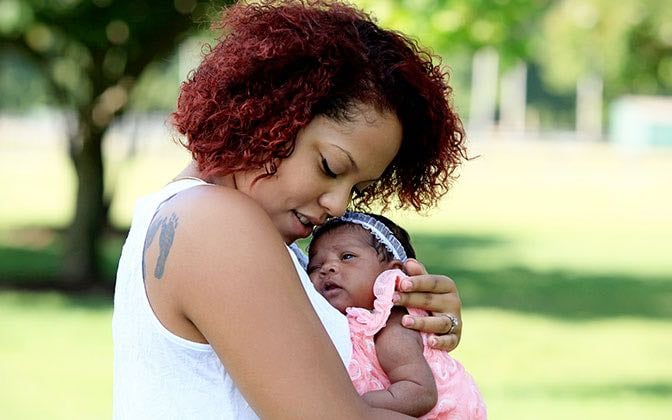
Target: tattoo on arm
(168, 226)
(165, 242)
(151, 232)
(149, 238)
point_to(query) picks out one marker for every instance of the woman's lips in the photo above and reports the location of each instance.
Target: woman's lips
(303, 230)
(305, 220)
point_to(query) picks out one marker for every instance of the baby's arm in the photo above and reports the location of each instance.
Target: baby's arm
(413, 389)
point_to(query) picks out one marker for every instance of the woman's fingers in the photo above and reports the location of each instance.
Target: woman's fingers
(434, 293)
(430, 283)
(413, 267)
(438, 323)
(428, 301)
(431, 293)
(446, 342)
(447, 325)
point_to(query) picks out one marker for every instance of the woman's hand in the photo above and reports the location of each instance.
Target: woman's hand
(434, 293)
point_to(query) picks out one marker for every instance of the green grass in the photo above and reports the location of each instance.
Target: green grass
(531, 366)
(560, 251)
(56, 355)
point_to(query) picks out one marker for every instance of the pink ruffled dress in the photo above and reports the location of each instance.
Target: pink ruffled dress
(459, 397)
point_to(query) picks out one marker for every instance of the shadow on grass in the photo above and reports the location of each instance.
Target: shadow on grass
(31, 259)
(552, 293)
(658, 390)
(559, 293)
(48, 300)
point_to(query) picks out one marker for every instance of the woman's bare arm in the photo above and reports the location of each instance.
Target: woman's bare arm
(228, 280)
(400, 353)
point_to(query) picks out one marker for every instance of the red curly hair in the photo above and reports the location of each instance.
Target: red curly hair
(280, 63)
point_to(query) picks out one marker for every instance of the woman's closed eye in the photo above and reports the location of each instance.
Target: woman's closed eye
(327, 169)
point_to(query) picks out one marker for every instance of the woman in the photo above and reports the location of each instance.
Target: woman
(295, 109)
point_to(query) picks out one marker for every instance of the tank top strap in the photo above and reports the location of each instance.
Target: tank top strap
(176, 186)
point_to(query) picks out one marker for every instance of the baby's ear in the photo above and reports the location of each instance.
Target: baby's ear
(395, 264)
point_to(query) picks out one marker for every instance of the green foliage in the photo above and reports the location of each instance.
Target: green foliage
(91, 55)
(21, 84)
(630, 46)
(157, 88)
(458, 26)
(95, 51)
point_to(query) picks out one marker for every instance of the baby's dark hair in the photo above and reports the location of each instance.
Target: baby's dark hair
(385, 255)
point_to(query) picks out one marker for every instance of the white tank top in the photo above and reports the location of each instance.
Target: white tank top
(160, 375)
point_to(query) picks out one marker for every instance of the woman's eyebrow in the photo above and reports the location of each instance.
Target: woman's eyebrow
(348, 155)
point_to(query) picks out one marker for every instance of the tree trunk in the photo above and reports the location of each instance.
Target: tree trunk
(80, 265)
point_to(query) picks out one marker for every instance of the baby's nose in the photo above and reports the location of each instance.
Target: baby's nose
(329, 267)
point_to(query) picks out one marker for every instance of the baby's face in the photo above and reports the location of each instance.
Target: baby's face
(343, 267)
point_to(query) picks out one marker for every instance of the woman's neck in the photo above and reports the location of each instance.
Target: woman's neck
(192, 171)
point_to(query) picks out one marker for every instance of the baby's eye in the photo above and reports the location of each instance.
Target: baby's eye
(312, 268)
(347, 256)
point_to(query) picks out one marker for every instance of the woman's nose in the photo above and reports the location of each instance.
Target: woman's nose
(336, 201)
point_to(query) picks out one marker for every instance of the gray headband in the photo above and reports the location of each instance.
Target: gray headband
(378, 229)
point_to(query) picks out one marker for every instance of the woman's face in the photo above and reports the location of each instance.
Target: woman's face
(330, 161)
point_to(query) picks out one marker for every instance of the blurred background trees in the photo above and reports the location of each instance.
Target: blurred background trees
(628, 46)
(559, 231)
(85, 58)
(516, 66)
(565, 44)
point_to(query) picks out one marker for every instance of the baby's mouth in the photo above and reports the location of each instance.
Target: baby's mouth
(330, 286)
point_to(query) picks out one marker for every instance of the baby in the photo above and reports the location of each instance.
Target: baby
(355, 263)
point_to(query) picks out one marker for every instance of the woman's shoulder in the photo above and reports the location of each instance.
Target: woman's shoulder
(206, 245)
(211, 229)
(208, 210)
(200, 237)
(202, 198)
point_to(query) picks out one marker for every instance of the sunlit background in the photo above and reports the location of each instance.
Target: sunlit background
(557, 232)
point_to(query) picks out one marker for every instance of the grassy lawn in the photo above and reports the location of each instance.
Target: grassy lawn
(56, 355)
(560, 250)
